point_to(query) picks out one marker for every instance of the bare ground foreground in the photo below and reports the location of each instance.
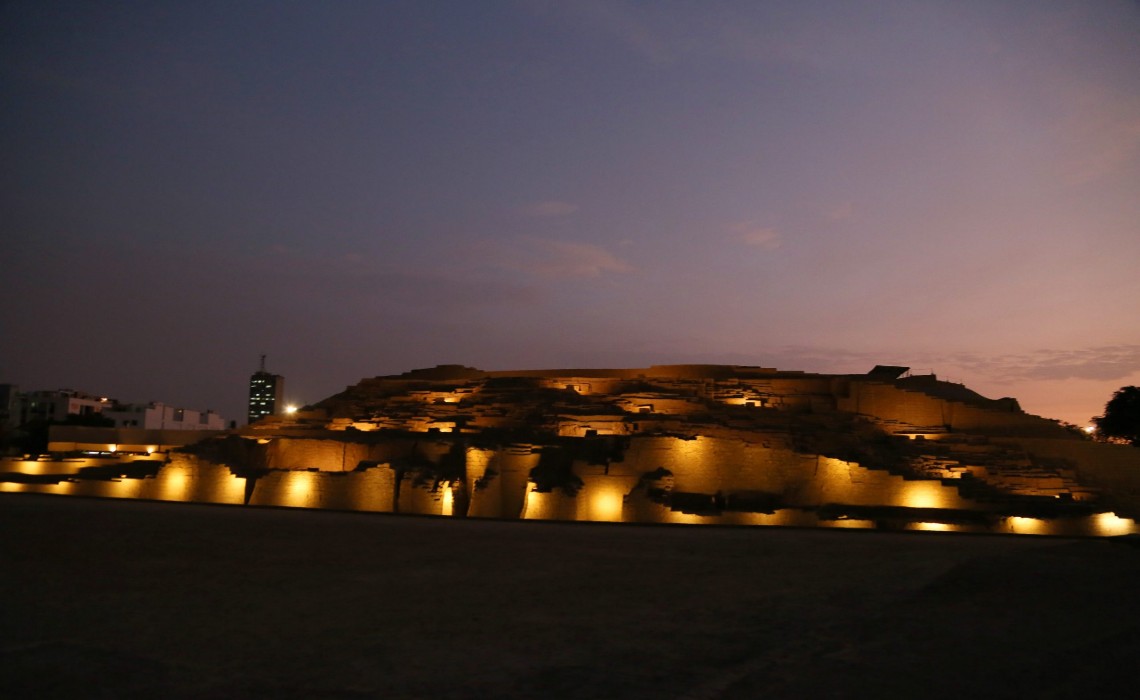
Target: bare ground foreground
(124, 599)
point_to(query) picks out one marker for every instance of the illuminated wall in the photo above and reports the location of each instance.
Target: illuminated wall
(717, 466)
(889, 403)
(82, 438)
(603, 492)
(1112, 469)
(756, 433)
(324, 455)
(711, 465)
(552, 505)
(184, 478)
(608, 493)
(708, 465)
(503, 493)
(423, 500)
(341, 454)
(369, 490)
(600, 499)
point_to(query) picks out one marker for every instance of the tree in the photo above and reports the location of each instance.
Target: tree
(1121, 419)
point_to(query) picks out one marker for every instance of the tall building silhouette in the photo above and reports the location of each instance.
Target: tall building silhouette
(265, 393)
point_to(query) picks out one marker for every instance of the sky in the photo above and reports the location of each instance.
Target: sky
(364, 188)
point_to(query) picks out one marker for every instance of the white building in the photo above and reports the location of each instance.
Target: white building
(59, 404)
(159, 416)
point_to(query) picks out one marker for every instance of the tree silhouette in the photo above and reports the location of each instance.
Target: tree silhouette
(1121, 419)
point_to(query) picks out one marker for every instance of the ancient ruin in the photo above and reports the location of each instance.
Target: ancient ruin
(664, 444)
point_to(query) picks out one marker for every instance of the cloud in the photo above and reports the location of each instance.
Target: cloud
(822, 359)
(1103, 363)
(548, 209)
(1099, 363)
(552, 258)
(751, 233)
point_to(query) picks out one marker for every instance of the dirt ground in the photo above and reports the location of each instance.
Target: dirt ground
(128, 599)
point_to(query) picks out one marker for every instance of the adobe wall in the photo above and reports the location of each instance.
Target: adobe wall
(82, 438)
(553, 505)
(889, 403)
(704, 465)
(368, 490)
(1114, 469)
(886, 402)
(503, 495)
(584, 385)
(340, 455)
(659, 404)
(973, 419)
(711, 465)
(324, 455)
(65, 466)
(673, 371)
(708, 465)
(728, 467)
(427, 499)
(184, 478)
(188, 478)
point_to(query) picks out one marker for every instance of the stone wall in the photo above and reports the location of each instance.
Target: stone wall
(1113, 469)
(889, 404)
(83, 438)
(368, 490)
(183, 478)
(727, 467)
(498, 480)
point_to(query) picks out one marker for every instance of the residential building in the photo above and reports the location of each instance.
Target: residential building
(56, 405)
(159, 416)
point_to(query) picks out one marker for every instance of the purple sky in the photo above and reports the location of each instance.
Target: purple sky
(365, 188)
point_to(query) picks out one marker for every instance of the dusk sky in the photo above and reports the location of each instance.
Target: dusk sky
(364, 188)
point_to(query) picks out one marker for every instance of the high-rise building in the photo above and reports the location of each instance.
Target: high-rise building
(265, 393)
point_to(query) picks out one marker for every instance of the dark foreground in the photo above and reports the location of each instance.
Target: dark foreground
(122, 599)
